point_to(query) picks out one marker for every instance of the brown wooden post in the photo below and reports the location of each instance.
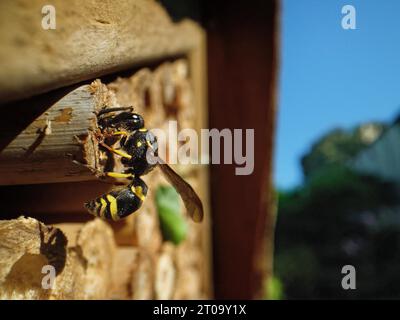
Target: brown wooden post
(242, 60)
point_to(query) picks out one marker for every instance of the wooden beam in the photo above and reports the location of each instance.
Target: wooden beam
(242, 62)
(82, 256)
(41, 137)
(91, 39)
(198, 71)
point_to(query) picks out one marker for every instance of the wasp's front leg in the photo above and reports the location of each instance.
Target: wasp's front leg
(107, 174)
(108, 137)
(121, 153)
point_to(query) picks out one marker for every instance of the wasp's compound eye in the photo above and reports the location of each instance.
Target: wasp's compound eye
(138, 121)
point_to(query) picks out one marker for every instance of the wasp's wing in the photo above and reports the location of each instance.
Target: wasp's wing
(191, 200)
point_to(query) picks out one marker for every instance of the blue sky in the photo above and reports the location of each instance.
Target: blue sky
(331, 77)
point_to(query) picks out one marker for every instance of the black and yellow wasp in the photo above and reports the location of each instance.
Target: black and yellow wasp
(136, 146)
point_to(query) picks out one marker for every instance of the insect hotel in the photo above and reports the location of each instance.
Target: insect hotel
(63, 90)
(84, 214)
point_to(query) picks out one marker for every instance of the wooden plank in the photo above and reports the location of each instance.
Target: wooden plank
(45, 138)
(198, 69)
(91, 39)
(44, 150)
(242, 59)
(82, 256)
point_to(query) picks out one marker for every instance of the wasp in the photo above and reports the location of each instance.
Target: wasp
(138, 151)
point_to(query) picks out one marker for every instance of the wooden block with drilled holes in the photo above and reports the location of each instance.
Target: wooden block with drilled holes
(82, 270)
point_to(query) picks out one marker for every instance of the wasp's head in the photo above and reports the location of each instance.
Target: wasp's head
(134, 122)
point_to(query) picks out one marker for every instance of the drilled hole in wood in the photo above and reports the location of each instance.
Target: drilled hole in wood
(147, 99)
(170, 100)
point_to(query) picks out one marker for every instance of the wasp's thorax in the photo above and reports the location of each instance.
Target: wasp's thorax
(143, 147)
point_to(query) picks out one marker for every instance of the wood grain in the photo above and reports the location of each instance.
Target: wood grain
(91, 38)
(83, 263)
(44, 151)
(242, 64)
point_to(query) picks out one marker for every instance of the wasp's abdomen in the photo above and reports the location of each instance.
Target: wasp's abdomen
(118, 204)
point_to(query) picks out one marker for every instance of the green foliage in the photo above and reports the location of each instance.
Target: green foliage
(173, 225)
(339, 217)
(293, 276)
(274, 289)
(335, 219)
(339, 146)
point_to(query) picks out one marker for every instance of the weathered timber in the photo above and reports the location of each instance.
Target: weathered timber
(82, 264)
(90, 39)
(44, 150)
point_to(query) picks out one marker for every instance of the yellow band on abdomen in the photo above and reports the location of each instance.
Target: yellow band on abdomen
(113, 207)
(103, 208)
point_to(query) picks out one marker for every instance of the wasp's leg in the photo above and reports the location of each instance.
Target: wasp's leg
(119, 175)
(120, 133)
(103, 175)
(112, 174)
(123, 136)
(118, 152)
